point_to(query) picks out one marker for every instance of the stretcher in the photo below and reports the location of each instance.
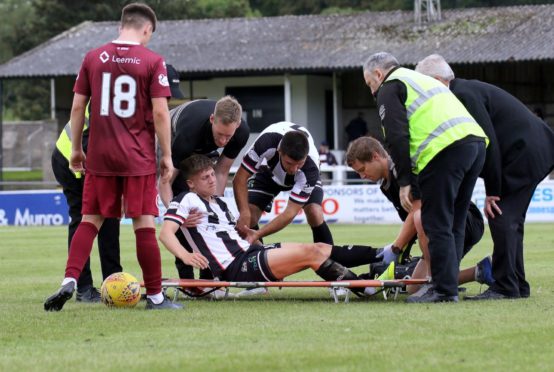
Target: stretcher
(202, 287)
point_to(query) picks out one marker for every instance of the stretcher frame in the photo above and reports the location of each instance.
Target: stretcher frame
(386, 286)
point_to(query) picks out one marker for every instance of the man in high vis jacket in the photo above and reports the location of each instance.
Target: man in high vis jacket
(72, 186)
(520, 155)
(430, 134)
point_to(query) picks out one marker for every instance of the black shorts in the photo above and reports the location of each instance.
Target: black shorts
(262, 190)
(475, 228)
(251, 266)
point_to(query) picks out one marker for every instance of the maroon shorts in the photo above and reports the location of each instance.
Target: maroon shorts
(102, 195)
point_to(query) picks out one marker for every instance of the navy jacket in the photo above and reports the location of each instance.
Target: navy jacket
(521, 148)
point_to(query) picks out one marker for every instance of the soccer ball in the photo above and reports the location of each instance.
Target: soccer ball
(120, 290)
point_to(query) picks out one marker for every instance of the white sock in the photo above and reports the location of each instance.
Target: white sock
(67, 280)
(157, 298)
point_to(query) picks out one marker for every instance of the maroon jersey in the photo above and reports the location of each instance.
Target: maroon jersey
(121, 78)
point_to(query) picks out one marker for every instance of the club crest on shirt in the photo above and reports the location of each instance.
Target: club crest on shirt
(162, 79)
(382, 112)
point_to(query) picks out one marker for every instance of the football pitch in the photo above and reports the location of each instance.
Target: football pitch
(289, 329)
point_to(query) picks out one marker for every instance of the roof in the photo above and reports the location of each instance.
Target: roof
(311, 43)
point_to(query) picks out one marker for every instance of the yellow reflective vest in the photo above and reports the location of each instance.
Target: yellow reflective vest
(436, 117)
(63, 144)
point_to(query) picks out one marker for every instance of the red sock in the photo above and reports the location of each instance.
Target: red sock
(150, 261)
(80, 248)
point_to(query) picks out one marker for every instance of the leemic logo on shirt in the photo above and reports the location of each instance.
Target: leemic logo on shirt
(104, 57)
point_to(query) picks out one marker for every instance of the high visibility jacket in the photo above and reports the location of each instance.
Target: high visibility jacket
(436, 118)
(63, 144)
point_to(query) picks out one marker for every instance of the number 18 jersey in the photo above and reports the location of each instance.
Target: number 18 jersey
(121, 78)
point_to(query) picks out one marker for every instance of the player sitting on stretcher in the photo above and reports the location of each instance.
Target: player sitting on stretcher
(209, 228)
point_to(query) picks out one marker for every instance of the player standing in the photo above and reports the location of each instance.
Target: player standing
(128, 88)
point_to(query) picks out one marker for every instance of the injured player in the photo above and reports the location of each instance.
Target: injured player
(209, 227)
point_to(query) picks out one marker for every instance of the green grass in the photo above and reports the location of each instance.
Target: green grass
(291, 329)
(32, 175)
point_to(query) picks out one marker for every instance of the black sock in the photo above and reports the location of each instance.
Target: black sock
(206, 274)
(353, 255)
(322, 234)
(332, 271)
(185, 271)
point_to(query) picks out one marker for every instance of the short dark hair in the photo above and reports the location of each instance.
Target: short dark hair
(363, 149)
(295, 145)
(195, 164)
(134, 15)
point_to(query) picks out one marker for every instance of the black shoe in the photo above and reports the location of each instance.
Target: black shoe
(166, 304)
(58, 299)
(489, 294)
(430, 296)
(89, 295)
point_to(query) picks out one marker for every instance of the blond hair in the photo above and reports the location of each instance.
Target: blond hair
(228, 110)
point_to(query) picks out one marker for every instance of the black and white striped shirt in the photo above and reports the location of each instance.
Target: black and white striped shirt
(215, 236)
(263, 156)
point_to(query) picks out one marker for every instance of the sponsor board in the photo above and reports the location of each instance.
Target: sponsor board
(341, 204)
(33, 208)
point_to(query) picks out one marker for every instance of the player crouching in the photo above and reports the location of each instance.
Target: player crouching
(217, 245)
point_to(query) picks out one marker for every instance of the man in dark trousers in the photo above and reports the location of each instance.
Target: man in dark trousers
(202, 127)
(520, 155)
(430, 134)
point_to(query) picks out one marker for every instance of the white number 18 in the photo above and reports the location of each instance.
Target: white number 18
(119, 97)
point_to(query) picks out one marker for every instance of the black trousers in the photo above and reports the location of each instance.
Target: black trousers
(108, 236)
(446, 186)
(507, 235)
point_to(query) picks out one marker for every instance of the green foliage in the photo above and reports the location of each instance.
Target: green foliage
(14, 17)
(282, 7)
(34, 175)
(287, 330)
(28, 99)
(197, 9)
